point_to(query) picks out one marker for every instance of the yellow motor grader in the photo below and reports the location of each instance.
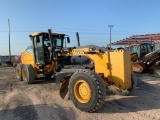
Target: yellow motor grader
(85, 81)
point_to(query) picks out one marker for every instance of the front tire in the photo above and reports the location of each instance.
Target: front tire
(87, 90)
(28, 74)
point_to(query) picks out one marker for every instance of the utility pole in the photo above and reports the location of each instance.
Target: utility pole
(110, 26)
(9, 40)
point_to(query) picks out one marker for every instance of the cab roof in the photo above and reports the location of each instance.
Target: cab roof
(39, 33)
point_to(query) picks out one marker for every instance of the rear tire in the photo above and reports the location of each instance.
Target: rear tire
(28, 74)
(19, 72)
(118, 91)
(87, 90)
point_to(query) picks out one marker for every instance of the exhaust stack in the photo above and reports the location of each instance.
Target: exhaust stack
(78, 41)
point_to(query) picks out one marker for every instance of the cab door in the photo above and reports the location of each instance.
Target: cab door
(38, 49)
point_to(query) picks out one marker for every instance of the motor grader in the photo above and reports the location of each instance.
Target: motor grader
(85, 81)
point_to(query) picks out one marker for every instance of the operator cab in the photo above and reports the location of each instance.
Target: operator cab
(141, 49)
(42, 45)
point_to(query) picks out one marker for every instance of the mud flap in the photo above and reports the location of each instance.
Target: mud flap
(62, 82)
(138, 67)
(63, 91)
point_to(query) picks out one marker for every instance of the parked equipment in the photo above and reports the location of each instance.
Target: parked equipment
(139, 50)
(150, 61)
(86, 81)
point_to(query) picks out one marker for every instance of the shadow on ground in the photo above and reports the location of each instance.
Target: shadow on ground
(37, 112)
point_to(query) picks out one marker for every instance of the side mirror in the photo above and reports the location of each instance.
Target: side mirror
(68, 40)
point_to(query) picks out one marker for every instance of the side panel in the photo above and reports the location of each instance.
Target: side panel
(120, 69)
(114, 65)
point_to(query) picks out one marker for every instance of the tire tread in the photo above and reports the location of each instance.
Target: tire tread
(100, 85)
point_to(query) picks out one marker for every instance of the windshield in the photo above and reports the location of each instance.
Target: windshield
(135, 49)
(58, 41)
(149, 48)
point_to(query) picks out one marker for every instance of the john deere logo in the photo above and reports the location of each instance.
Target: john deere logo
(79, 51)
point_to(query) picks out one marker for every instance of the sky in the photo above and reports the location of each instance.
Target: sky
(88, 17)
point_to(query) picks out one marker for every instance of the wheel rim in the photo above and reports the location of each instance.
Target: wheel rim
(18, 72)
(24, 75)
(82, 91)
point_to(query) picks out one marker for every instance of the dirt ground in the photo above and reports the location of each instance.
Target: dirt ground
(41, 101)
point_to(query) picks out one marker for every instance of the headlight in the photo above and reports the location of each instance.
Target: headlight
(90, 49)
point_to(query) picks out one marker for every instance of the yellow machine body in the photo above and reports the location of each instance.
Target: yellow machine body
(113, 66)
